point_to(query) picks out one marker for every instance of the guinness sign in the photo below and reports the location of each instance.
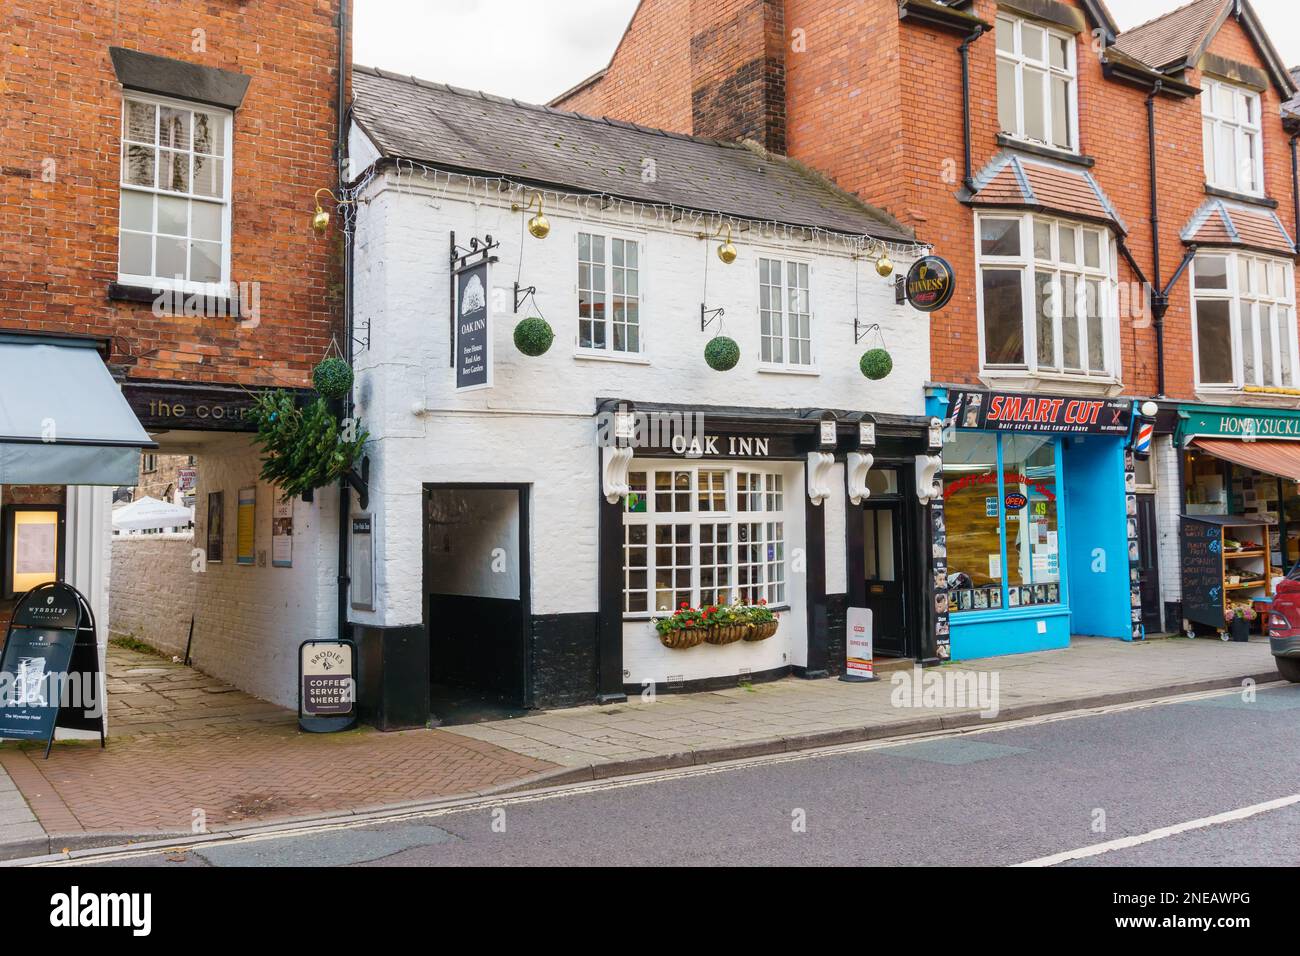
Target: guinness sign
(930, 283)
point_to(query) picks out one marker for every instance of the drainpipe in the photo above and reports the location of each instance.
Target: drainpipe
(1159, 297)
(969, 180)
(340, 156)
(1295, 190)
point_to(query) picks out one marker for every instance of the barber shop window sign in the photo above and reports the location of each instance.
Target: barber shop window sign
(473, 351)
(929, 284)
(1015, 501)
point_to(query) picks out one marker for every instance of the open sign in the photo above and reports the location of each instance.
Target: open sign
(1015, 501)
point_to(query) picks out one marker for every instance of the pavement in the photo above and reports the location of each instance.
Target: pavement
(189, 754)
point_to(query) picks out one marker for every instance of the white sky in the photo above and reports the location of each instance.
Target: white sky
(535, 49)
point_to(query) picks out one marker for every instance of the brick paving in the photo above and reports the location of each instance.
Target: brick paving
(766, 715)
(181, 741)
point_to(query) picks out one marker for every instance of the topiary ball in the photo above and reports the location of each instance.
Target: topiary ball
(332, 378)
(722, 353)
(534, 336)
(876, 364)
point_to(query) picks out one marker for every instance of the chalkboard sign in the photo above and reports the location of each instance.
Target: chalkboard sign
(50, 667)
(1202, 560)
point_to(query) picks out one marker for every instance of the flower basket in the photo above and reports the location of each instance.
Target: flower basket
(679, 639)
(725, 633)
(761, 632)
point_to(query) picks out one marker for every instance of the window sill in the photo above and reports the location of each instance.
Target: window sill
(1047, 152)
(176, 301)
(650, 618)
(808, 370)
(1234, 395)
(1254, 199)
(1013, 380)
(626, 358)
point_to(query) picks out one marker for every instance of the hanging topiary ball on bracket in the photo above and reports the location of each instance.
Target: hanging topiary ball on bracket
(534, 336)
(876, 364)
(722, 353)
(332, 378)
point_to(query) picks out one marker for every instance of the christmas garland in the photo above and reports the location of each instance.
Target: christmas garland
(304, 448)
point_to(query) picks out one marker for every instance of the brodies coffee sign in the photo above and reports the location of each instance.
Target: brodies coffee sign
(930, 283)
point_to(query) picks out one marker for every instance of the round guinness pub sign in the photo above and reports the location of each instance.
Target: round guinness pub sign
(930, 283)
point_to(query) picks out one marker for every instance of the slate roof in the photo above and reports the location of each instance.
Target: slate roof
(1218, 223)
(1292, 106)
(1011, 180)
(1173, 37)
(472, 132)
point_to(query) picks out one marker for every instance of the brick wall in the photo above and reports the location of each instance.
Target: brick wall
(60, 123)
(153, 591)
(876, 104)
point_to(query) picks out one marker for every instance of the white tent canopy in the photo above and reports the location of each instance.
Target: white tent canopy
(146, 512)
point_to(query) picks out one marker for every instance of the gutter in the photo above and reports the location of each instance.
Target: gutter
(1295, 190)
(969, 179)
(1159, 298)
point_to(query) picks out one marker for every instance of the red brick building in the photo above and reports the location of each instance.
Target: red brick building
(157, 168)
(1120, 208)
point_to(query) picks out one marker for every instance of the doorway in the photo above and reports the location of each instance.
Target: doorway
(885, 576)
(476, 600)
(1149, 565)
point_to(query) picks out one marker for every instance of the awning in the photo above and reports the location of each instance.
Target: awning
(63, 420)
(1281, 458)
(146, 513)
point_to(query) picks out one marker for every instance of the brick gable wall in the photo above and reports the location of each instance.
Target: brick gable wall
(60, 123)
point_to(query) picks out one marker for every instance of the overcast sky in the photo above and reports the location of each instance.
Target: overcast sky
(535, 49)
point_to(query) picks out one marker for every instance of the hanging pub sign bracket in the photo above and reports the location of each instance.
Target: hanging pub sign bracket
(861, 331)
(709, 316)
(360, 482)
(363, 344)
(479, 249)
(522, 294)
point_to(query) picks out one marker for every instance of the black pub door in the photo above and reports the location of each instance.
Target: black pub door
(884, 564)
(1149, 565)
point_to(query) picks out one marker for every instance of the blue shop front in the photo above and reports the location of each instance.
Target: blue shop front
(1037, 536)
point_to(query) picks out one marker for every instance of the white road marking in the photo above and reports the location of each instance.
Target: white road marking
(478, 804)
(1163, 833)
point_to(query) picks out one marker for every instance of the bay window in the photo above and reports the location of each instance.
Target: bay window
(703, 535)
(609, 293)
(1036, 83)
(785, 313)
(1244, 315)
(174, 195)
(1230, 123)
(1046, 291)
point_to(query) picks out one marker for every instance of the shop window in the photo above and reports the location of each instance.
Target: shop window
(1036, 83)
(703, 536)
(1244, 313)
(1046, 295)
(1001, 488)
(609, 293)
(785, 313)
(175, 195)
(1231, 137)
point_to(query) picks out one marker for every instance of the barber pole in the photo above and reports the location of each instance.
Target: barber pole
(1144, 431)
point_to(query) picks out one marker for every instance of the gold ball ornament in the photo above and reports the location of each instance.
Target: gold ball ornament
(539, 226)
(883, 265)
(727, 252)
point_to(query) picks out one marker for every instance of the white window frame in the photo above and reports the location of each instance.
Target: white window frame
(1250, 303)
(607, 350)
(1220, 130)
(785, 364)
(773, 585)
(1027, 263)
(1021, 62)
(222, 286)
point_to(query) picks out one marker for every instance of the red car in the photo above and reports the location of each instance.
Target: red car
(1284, 625)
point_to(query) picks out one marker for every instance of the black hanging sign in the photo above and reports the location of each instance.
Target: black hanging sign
(49, 670)
(473, 327)
(930, 283)
(327, 682)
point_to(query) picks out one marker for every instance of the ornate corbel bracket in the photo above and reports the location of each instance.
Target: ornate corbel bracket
(858, 464)
(928, 487)
(819, 475)
(615, 462)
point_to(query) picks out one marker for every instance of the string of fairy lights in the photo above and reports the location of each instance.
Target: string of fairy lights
(606, 208)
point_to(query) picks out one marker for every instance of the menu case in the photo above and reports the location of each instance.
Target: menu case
(1225, 560)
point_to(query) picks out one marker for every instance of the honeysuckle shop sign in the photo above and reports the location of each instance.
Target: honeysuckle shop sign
(1246, 425)
(930, 283)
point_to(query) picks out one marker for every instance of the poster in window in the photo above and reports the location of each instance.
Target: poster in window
(216, 526)
(282, 534)
(244, 526)
(35, 549)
